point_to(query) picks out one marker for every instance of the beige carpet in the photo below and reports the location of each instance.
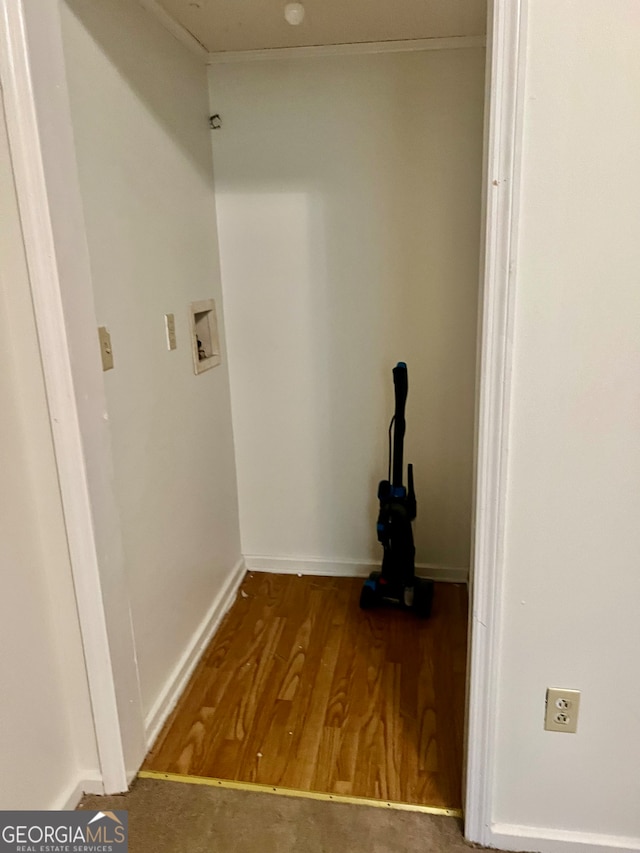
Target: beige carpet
(172, 817)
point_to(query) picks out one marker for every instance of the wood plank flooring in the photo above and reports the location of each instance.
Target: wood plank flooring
(301, 689)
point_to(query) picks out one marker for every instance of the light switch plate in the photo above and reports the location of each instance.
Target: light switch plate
(170, 325)
(105, 348)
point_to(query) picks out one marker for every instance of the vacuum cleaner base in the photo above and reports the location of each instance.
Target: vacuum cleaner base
(376, 593)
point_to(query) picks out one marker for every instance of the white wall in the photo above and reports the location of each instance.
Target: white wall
(47, 742)
(139, 108)
(348, 199)
(572, 536)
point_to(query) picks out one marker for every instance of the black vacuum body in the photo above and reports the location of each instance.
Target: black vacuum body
(396, 583)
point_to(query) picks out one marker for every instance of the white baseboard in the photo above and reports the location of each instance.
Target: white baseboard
(525, 839)
(178, 678)
(343, 568)
(70, 799)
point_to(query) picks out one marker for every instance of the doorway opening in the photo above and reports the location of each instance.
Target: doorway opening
(258, 558)
(348, 197)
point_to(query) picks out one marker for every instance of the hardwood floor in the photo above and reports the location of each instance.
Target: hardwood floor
(301, 689)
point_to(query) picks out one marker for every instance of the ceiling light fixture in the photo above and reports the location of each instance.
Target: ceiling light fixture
(294, 13)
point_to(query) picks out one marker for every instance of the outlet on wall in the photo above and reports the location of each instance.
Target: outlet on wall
(561, 713)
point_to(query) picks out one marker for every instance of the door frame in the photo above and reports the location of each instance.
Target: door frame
(33, 80)
(38, 120)
(506, 55)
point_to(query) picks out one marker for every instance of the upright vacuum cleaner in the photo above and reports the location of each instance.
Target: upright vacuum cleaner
(396, 583)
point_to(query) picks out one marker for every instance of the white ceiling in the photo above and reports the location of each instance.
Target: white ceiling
(225, 25)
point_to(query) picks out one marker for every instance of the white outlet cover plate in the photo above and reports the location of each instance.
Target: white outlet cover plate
(561, 713)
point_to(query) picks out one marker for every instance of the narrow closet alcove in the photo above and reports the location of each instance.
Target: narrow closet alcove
(344, 209)
(348, 204)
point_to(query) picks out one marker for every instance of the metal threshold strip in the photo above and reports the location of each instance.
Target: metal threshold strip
(290, 792)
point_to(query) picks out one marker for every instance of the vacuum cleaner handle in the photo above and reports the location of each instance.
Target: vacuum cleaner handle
(401, 384)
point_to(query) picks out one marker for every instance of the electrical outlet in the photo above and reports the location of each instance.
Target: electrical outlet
(562, 708)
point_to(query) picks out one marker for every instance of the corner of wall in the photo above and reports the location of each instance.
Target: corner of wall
(179, 676)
